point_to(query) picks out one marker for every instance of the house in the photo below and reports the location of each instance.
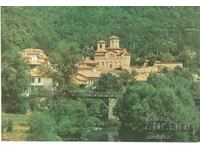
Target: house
(37, 60)
(86, 73)
(168, 65)
(143, 72)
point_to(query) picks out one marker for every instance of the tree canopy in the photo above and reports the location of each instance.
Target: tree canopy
(142, 30)
(161, 109)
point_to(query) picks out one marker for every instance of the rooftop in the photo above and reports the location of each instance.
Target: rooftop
(114, 37)
(101, 41)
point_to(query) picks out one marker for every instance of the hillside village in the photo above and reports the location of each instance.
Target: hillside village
(100, 74)
(109, 57)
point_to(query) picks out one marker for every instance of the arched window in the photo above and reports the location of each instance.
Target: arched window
(100, 45)
(106, 64)
(110, 65)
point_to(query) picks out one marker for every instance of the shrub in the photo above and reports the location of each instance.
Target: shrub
(42, 127)
(9, 126)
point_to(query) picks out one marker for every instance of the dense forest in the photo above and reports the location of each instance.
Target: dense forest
(68, 33)
(144, 31)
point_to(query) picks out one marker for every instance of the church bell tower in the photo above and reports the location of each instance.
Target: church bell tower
(101, 45)
(114, 41)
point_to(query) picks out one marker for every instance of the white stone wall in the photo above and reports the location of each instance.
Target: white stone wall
(41, 81)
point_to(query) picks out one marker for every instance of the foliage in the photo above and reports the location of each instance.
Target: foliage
(126, 77)
(63, 60)
(167, 57)
(7, 125)
(42, 127)
(107, 83)
(18, 124)
(67, 33)
(73, 120)
(165, 97)
(143, 30)
(66, 120)
(14, 79)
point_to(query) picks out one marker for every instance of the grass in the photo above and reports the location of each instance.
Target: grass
(20, 127)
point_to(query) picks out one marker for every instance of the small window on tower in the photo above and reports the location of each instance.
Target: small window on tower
(100, 46)
(39, 80)
(112, 43)
(33, 80)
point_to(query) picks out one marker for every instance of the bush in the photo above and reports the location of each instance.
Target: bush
(7, 125)
(73, 120)
(42, 127)
(164, 98)
(16, 105)
(167, 57)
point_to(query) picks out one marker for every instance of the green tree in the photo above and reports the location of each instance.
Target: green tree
(107, 83)
(64, 61)
(73, 120)
(167, 57)
(163, 99)
(15, 79)
(42, 127)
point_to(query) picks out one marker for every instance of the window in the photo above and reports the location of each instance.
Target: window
(110, 65)
(106, 64)
(100, 46)
(33, 80)
(39, 80)
(111, 56)
(112, 43)
(34, 58)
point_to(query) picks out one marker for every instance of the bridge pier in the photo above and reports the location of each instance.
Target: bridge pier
(111, 105)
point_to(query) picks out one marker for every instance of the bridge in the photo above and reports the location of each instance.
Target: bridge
(101, 96)
(111, 97)
(79, 94)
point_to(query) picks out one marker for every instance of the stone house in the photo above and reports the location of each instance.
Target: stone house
(35, 59)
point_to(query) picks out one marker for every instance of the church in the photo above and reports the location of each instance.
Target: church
(108, 58)
(111, 56)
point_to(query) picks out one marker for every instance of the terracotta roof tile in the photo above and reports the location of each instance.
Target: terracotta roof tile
(89, 73)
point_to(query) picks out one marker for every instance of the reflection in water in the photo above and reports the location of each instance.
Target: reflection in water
(105, 134)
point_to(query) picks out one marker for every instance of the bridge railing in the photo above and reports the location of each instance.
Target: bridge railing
(79, 94)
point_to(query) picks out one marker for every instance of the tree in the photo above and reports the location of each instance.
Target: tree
(148, 110)
(107, 83)
(125, 77)
(42, 127)
(15, 79)
(63, 61)
(167, 57)
(73, 120)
